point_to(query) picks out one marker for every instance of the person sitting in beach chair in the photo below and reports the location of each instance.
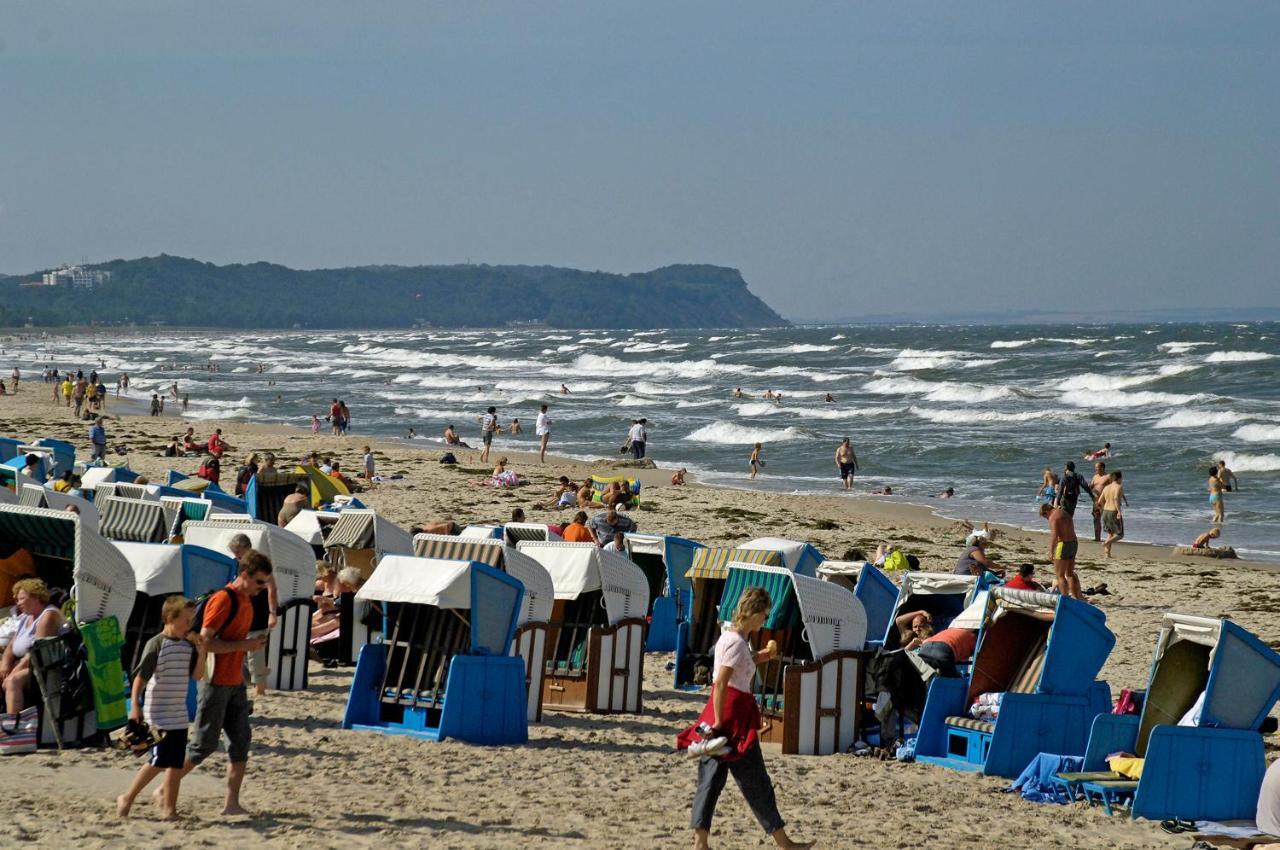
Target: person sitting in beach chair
(324, 622)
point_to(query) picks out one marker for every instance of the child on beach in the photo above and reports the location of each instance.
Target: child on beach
(315, 424)
(368, 462)
(677, 478)
(757, 462)
(169, 661)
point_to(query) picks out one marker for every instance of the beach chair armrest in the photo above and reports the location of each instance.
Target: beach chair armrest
(947, 698)
(1111, 733)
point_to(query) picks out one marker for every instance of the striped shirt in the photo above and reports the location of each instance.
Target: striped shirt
(167, 665)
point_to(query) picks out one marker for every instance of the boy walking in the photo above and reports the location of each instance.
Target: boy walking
(169, 660)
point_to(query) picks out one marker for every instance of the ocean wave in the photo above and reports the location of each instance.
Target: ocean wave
(1239, 462)
(650, 388)
(1180, 347)
(644, 347)
(1096, 381)
(727, 433)
(1258, 433)
(603, 364)
(969, 417)
(635, 401)
(1013, 343)
(759, 408)
(550, 386)
(221, 413)
(938, 391)
(1121, 399)
(1238, 357)
(798, 348)
(838, 336)
(434, 413)
(688, 404)
(1198, 419)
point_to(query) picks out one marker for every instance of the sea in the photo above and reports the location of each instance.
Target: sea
(980, 409)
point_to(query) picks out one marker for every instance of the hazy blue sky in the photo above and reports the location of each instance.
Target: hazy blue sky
(927, 157)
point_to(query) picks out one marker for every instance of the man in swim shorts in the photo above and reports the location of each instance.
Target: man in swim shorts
(1112, 500)
(1063, 546)
(1099, 480)
(846, 462)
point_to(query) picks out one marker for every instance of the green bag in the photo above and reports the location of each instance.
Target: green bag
(102, 645)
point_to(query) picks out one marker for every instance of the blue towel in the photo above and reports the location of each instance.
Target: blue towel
(1036, 780)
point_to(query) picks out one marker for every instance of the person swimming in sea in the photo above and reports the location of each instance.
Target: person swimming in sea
(1105, 451)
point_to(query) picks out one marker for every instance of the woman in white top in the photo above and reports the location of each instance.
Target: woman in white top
(734, 669)
(36, 619)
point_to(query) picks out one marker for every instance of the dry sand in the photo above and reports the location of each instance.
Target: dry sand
(593, 781)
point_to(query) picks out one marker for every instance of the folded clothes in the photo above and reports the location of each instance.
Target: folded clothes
(986, 707)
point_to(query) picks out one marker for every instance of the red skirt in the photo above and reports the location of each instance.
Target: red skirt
(741, 724)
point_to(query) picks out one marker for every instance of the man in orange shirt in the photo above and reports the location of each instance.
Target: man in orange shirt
(222, 703)
(577, 531)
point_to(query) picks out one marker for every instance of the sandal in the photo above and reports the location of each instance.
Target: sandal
(1176, 826)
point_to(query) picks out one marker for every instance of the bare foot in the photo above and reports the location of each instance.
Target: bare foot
(260, 689)
(169, 814)
(123, 805)
(157, 797)
(236, 809)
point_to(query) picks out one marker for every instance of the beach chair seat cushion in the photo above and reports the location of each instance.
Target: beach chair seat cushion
(970, 723)
(1090, 776)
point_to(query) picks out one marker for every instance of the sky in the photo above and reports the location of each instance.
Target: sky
(849, 158)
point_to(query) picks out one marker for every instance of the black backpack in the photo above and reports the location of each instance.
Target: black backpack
(203, 602)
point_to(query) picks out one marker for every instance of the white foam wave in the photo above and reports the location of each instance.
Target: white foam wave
(759, 408)
(635, 401)
(1119, 398)
(838, 336)
(1098, 382)
(687, 404)
(1197, 419)
(650, 388)
(969, 417)
(1013, 343)
(727, 433)
(1258, 433)
(1238, 357)
(1239, 462)
(643, 347)
(551, 386)
(937, 391)
(1180, 347)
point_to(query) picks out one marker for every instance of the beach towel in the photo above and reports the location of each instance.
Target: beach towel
(102, 645)
(18, 732)
(741, 724)
(1036, 782)
(1127, 766)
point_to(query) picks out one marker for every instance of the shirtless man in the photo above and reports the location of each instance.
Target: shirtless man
(1099, 480)
(1216, 490)
(846, 462)
(1113, 501)
(1062, 549)
(1227, 477)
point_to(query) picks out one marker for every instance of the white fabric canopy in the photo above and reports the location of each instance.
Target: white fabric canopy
(292, 560)
(309, 524)
(421, 581)
(157, 567)
(790, 550)
(572, 566)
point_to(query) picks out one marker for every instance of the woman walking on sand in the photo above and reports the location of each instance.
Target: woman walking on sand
(726, 737)
(756, 460)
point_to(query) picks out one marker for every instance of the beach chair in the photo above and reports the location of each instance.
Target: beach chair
(1212, 683)
(811, 695)
(160, 571)
(516, 532)
(360, 538)
(293, 566)
(1042, 652)
(943, 595)
(533, 627)
(137, 520)
(63, 455)
(179, 510)
(9, 448)
(445, 668)
(697, 636)
(71, 557)
(800, 558)
(10, 470)
(266, 491)
(493, 531)
(875, 590)
(596, 632)
(313, 527)
(7, 496)
(664, 559)
(325, 489)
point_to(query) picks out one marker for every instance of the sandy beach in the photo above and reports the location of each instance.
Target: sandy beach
(589, 781)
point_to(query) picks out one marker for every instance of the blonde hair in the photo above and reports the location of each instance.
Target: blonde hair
(32, 587)
(174, 606)
(754, 600)
(324, 569)
(351, 576)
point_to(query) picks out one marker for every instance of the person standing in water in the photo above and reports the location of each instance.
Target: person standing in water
(756, 461)
(1100, 479)
(1216, 490)
(846, 462)
(1228, 478)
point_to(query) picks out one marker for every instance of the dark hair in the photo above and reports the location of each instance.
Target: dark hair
(544, 408)
(1100, 465)
(1027, 570)
(517, 515)
(254, 561)
(564, 479)
(1071, 466)
(1117, 475)
(491, 409)
(303, 489)
(241, 540)
(580, 516)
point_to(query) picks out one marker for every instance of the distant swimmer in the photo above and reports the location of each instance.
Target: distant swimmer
(738, 393)
(413, 435)
(1227, 477)
(948, 493)
(1216, 490)
(564, 390)
(1202, 542)
(846, 462)
(887, 491)
(515, 427)
(830, 399)
(768, 395)
(1105, 451)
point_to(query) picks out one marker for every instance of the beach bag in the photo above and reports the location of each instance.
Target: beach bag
(18, 732)
(448, 458)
